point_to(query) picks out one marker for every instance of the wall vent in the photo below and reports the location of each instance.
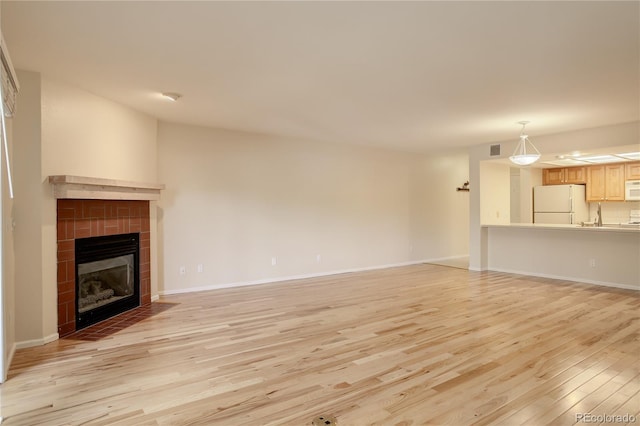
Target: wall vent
(494, 150)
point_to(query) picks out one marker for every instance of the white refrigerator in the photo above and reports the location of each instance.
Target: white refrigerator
(563, 204)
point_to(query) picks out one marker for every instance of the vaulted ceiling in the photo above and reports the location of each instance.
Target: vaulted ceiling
(415, 76)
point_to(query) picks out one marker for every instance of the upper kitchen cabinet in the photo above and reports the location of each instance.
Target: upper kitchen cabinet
(553, 176)
(575, 175)
(632, 171)
(606, 182)
(564, 175)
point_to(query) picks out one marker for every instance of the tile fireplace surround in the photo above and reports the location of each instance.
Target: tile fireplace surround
(95, 218)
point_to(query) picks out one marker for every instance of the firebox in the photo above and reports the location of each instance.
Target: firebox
(107, 277)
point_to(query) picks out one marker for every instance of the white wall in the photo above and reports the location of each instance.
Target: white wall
(28, 203)
(439, 213)
(495, 205)
(529, 177)
(65, 130)
(514, 195)
(8, 260)
(86, 135)
(235, 200)
(523, 179)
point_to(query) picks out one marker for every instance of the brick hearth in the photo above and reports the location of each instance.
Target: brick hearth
(96, 218)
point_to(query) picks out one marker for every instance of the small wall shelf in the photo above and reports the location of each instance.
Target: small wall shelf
(464, 187)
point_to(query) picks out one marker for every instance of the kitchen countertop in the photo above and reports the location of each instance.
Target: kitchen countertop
(606, 227)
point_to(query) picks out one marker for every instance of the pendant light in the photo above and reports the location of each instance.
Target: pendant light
(524, 155)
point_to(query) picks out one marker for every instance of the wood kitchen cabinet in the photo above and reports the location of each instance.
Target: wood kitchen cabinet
(606, 182)
(632, 171)
(564, 175)
(553, 176)
(575, 175)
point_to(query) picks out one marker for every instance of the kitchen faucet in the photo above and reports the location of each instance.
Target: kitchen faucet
(599, 218)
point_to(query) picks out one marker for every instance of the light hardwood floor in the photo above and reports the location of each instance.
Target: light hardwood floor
(423, 344)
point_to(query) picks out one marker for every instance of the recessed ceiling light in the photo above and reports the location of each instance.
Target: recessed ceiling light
(565, 162)
(574, 154)
(599, 159)
(171, 96)
(630, 155)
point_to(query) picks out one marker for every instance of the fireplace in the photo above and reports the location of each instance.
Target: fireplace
(107, 277)
(81, 221)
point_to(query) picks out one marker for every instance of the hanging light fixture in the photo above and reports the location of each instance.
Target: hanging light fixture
(524, 155)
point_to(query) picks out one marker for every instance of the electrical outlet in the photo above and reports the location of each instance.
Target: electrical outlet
(592, 263)
(274, 261)
(183, 270)
(318, 258)
(200, 267)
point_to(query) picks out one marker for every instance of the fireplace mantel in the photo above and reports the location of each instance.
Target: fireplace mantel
(91, 188)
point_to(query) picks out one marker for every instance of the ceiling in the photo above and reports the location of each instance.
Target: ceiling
(415, 76)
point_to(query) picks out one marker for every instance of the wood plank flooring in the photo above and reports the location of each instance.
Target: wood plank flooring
(422, 344)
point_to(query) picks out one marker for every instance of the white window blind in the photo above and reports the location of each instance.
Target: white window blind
(8, 93)
(9, 79)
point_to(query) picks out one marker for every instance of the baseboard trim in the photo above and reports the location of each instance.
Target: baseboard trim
(394, 265)
(442, 259)
(12, 352)
(37, 342)
(288, 278)
(565, 278)
(155, 298)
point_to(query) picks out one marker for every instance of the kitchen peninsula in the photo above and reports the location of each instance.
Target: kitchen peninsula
(605, 255)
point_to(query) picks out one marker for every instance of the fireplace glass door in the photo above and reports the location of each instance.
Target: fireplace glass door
(107, 277)
(105, 281)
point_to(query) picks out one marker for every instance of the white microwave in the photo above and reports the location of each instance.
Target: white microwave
(632, 190)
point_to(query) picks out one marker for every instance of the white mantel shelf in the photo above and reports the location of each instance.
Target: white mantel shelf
(91, 188)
